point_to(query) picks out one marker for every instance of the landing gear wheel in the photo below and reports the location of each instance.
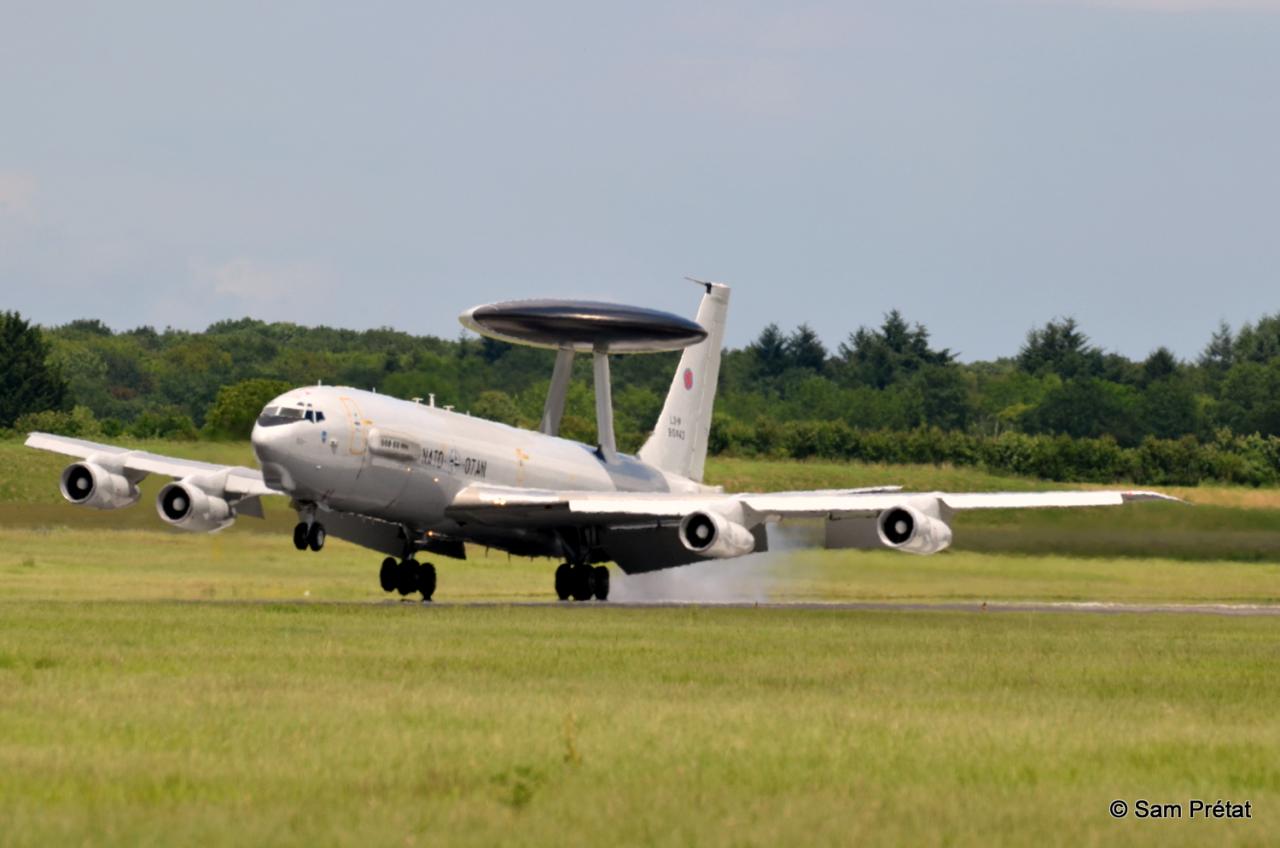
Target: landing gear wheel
(564, 581)
(583, 582)
(427, 580)
(407, 577)
(315, 536)
(602, 582)
(300, 536)
(387, 575)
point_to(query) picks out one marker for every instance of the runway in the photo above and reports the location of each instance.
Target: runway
(1243, 610)
(1090, 607)
(980, 607)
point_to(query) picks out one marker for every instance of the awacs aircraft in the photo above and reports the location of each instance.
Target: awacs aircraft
(405, 478)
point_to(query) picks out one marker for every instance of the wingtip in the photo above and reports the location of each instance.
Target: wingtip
(1145, 495)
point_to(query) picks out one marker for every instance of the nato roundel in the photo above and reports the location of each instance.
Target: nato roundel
(688, 378)
(584, 325)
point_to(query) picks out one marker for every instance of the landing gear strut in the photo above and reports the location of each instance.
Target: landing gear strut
(407, 577)
(582, 582)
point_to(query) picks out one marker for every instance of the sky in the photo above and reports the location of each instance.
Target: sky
(983, 166)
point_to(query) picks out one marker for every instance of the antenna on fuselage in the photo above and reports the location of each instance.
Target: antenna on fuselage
(572, 326)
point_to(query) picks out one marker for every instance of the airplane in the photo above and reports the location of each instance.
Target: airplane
(406, 478)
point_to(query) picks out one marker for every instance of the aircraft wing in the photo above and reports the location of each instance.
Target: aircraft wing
(240, 481)
(508, 505)
(490, 504)
(823, 505)
(643, 531)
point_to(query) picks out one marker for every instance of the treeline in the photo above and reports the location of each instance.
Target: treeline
(1058, 407)
(1247, 460)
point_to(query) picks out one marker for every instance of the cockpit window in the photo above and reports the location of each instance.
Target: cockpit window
(275, 415)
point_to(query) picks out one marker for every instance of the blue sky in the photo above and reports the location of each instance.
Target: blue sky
(982, 166)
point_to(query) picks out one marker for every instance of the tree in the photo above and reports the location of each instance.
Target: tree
(1085, 408)
(1259, 342)
(1160, 365)
(496, 406)
(491, 350)
(1220, 353)
(769, 352)
(27, 382)
(805, 350)
(1060, 348)
(1250, 398)
(1167, 409)
(879, 358)
(237, 407)
(944, 396)
(88, 327)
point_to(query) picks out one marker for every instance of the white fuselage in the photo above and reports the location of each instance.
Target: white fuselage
(404, 461)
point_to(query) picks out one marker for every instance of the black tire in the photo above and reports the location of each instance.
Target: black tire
(407, 577)
(602, 582)
(300, 536)
(564, 581)
(316, 536)
(387, 574)
(584, 582)
(427, 580)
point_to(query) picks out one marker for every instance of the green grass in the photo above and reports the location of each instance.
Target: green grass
(302, 724)
(79, 564)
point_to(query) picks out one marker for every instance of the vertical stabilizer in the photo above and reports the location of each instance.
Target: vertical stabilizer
(679, 441)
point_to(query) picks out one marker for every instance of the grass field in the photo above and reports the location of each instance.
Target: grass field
(139, 723)
(158, 687)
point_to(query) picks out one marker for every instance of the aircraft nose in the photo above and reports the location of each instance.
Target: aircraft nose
(272, 456)
(259, 439)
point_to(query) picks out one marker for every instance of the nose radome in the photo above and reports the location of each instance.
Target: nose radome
(272, 455)
(270, 444)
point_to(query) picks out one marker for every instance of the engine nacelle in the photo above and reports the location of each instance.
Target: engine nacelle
(89, 484)
(189, 507)
(906, 528)
(710, 534)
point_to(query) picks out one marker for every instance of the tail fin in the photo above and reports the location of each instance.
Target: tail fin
(679, 441)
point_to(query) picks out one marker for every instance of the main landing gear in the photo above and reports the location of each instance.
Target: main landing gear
(582, 582)
(406, 576)
(308, 536)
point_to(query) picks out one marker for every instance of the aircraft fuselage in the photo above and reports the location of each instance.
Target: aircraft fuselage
(401, 461)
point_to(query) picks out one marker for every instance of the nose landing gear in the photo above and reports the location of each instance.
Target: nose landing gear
(582, 582)
(407, 577)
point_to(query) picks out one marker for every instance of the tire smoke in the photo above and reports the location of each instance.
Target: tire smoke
(754, 578)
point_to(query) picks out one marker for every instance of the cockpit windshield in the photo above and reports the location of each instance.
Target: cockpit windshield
(273, 416)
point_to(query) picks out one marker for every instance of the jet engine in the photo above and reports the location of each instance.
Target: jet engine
(89, 484)
(187, 506)
(712, 535)
(908, 529)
